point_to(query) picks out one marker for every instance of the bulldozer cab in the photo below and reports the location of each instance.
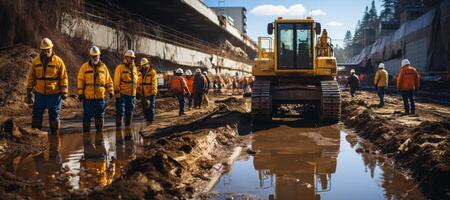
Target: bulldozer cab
(294, 43)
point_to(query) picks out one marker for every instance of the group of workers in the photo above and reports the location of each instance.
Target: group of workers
(48, 83)
(193, 87)
(408, 81)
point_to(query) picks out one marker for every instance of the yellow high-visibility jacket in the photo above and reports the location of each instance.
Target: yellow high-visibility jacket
(125, 79)
(148, 83)
(381, 78)
(94, 82)
(49, 79)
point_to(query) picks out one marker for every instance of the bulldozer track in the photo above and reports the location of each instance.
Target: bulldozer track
(261, 101)
(330, 108)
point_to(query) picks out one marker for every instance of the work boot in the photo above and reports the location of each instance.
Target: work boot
(36, 123)
(86, 126)
(119, 121)
(54, 126)
(99, 124)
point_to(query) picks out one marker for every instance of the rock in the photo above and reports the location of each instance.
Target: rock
(404, 147)
(251, 152)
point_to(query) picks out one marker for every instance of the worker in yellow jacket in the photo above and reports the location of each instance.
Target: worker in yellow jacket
(49, 83)
(381, 82)
(147, 89)
(125, 87)
(94, 84)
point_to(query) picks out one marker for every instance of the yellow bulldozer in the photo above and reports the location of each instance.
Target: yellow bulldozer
(296, 66)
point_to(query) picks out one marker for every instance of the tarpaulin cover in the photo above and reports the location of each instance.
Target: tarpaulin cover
(434, 26)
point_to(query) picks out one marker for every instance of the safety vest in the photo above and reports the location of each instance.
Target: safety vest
(49, 78)
(408, 79)
(125, 79)
(178, 84)
(94, 82)
(148, 83)
(190, 83)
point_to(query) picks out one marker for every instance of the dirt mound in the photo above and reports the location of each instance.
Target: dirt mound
(15, 140)
(14, 67)
(417, 144)
(175, 167)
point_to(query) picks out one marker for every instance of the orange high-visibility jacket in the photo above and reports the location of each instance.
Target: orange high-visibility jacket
(178, 85)
(190, 83)
(49, 79)
(408, 79)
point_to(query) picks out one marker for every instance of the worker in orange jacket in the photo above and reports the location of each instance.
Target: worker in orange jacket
(178, 87)
(408, 81)
(190, 85)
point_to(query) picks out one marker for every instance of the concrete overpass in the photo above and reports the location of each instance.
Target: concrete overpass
(183, 33)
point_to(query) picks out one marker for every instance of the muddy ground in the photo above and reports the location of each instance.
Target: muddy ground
(181, 155)
(417, 143)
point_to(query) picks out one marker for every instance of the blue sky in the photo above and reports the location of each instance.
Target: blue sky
(337, 16)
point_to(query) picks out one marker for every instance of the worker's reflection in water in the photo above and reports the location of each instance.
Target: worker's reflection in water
(95, 166)
(302, 163)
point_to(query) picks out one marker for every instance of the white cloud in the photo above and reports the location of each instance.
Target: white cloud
(317, 12)
(335, 23)
(278, 10)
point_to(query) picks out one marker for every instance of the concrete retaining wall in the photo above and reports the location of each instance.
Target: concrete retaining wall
(118, 41)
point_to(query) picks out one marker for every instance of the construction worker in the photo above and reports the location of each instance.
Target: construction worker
(94, 84)
(190, 84)
(178, 87)
(408, 82)
(125, 86)
(381, 82)
(199, 88)
(49, 82)
(353, 82)
(323, 45)
(147, 89)
(207, 87)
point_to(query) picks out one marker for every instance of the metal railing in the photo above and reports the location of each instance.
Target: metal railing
(114, 16)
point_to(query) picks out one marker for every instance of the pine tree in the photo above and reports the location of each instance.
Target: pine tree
(389, 9)
(348, 50)
(373, 16)
(366, 19)
(348, 39)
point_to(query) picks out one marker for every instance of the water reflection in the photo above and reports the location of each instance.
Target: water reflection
(302, 162)
(86, 159)
(312, 163)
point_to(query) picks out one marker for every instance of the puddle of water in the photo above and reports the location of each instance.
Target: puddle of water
(311, 163)
(93, 159)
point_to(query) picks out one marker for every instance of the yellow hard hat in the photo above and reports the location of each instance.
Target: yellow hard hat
(144, 61)
(46, 43)
(130, 53)
(94, 51)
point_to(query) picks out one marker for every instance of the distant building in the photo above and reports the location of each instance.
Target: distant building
(238, 14)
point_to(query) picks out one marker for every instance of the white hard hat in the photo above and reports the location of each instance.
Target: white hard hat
(198, 70)
(205, 73)
(94, 51)
(352, 71)
(405, 62)
(381, 66)
(179, 71)
(129, 53)
(188, 72)
(46, 43)
(144, 61)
